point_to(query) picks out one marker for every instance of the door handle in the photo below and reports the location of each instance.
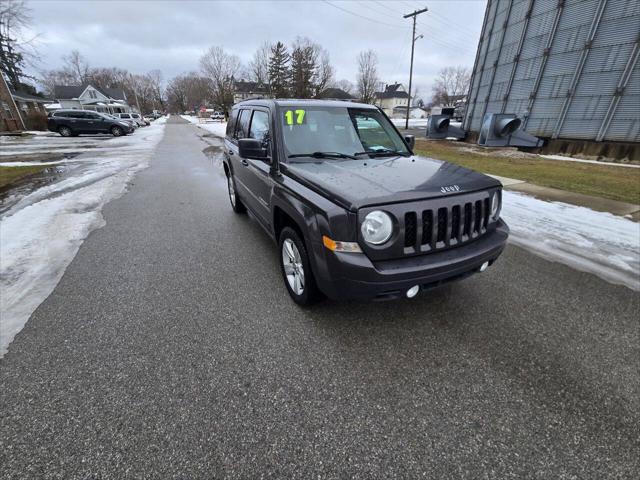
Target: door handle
(245, 163)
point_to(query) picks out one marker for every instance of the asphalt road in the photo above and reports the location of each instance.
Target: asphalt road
(170, 349)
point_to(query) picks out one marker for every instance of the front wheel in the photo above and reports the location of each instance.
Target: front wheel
(117, 131)
(65, 131)
(296, 269)
(236, 203)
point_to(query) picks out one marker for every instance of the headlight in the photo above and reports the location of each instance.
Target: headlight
(377, 227)
(495, 205)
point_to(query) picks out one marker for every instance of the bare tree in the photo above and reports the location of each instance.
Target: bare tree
(14, 52)
(259, 64)
(221, 68)
(325, 72)
(344, 85)
(187, 92)
(367, 75)
(451, 83)
(76, 66)
(154, 78)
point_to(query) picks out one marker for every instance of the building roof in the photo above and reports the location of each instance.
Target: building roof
(335, 93)
(22, 95)
(250, 87)
(393, 94)
(392, 91)
(74, 91)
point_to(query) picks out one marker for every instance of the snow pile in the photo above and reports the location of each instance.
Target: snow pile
(595, 242)
(217, 128)
(42, 232)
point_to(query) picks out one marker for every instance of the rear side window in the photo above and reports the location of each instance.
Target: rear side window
(125, 115)
(259, 126)
(242, 129)
(231, 125)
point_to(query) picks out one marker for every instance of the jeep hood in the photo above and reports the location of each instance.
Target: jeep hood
(366, 182)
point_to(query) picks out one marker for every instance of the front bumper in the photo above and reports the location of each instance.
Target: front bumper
(354, 276)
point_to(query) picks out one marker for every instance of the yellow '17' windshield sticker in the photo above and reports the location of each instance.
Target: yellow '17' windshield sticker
(294, 117)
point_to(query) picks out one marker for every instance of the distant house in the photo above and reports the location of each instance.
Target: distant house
(336, 94)
(89, 97)
(10, 120)
(28, 103)
(243, 90)
(394, 95)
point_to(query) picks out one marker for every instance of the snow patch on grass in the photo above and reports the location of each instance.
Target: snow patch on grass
(42, 232)
(595, 242)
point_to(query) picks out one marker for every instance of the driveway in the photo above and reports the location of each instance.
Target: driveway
(170, 349)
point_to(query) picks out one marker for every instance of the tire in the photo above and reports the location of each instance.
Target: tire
(117, 131)
(236, 203)
(65, 131)
(296, 269)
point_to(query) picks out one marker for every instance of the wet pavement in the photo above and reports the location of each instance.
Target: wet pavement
(170, 349)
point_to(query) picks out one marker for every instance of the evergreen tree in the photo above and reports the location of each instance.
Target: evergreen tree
(279, 71)
(304, 66)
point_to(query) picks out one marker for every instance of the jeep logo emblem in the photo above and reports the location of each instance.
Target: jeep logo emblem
(450, 189)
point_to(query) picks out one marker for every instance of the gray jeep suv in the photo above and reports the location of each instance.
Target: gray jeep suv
(355, 213)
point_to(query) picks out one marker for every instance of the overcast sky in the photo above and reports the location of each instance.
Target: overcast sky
(172, 35)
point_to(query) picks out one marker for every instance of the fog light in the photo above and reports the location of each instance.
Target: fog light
(484, 266)
(413, 291)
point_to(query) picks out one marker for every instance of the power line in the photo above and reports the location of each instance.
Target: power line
(362, 16)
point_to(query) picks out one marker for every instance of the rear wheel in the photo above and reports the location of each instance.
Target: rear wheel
(65, 131)
(236, 203)
(296, 269)
(116, 131)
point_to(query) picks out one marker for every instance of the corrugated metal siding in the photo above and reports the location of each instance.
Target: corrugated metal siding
(597, 71)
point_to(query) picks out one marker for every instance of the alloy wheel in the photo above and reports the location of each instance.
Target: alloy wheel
(293, 267)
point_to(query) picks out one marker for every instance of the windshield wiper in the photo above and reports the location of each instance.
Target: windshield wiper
(383, 153)
(323, 155)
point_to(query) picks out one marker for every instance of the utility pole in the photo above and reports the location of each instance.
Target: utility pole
(413, 44)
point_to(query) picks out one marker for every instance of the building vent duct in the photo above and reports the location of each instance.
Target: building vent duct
(439, 126)
(503, 130)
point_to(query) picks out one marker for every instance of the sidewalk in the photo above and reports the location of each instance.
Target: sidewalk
(623, 209)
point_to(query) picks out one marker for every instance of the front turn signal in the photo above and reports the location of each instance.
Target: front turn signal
(338, 246)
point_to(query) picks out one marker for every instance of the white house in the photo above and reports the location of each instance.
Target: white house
(393, 96)
(89, 97)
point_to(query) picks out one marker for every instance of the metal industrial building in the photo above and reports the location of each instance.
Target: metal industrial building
(568, 68)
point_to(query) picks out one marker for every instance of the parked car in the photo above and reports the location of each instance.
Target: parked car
(217, 116)
(70, 123)
(140, 119)
(355, 213)
(149, 118)
(131, 117)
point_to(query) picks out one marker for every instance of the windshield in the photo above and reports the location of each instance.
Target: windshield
(338, 132)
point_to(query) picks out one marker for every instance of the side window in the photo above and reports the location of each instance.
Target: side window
(92, 116)
(242, 129)
(231, 124)
(76, 115)
(260, 126)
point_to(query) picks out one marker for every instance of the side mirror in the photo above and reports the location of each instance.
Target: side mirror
(252, 148)
(410, 140)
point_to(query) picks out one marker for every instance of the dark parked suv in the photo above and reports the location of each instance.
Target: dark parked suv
(70, 123)
(355, 213)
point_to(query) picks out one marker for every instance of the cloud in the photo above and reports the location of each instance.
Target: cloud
(171, 35)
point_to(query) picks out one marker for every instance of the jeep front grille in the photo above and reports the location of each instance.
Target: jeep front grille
(445, 226)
